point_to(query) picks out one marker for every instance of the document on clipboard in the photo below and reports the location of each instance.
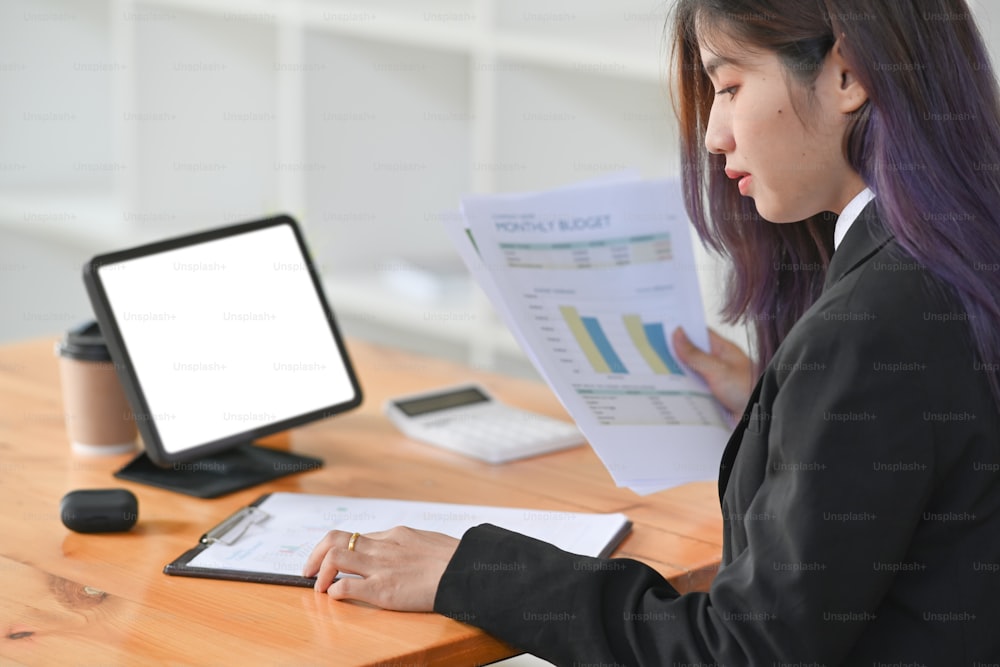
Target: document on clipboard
(269, 541)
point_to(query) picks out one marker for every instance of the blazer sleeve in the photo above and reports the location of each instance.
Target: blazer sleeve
(566, 608)
(849, 467)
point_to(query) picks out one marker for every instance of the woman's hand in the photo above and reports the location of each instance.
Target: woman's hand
(725, 368)
(399, 568)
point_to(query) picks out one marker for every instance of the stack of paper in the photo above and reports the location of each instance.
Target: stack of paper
(592, 280)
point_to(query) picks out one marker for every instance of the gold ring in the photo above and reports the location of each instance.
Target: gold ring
(354, 539)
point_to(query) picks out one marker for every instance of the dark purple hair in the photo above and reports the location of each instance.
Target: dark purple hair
(927, 142)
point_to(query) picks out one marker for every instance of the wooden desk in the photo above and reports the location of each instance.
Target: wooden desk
(68, 598)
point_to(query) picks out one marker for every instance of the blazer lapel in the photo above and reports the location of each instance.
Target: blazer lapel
(865, 237)
(733, 446)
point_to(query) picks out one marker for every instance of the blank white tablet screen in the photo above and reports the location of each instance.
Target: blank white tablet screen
(225, 336)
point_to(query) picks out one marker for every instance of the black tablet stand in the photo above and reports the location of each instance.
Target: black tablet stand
(238, 468)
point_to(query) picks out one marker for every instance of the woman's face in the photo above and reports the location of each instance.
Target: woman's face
(792, 167)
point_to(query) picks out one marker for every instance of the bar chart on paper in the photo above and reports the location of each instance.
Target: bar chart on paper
(648, 339)
(600, 339)
(620, 363)
(610, 345)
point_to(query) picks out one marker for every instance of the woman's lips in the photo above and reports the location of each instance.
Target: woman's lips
(743, 177)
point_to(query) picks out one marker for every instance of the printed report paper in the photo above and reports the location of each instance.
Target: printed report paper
(592, 280)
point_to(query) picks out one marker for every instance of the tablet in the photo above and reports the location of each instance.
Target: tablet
(221, 337)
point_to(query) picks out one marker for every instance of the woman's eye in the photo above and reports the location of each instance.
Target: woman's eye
(731, 91)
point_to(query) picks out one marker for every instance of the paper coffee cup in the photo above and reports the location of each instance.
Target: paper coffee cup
(99, 421)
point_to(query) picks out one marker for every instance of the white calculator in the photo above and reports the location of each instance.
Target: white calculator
(468, 420)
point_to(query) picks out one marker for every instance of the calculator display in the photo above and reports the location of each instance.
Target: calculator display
(452, 399)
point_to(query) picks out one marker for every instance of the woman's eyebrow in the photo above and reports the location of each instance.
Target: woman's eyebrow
(717, 61)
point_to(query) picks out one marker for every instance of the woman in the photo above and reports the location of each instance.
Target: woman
(850, 176)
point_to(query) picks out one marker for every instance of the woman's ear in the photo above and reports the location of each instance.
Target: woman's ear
(849, 93)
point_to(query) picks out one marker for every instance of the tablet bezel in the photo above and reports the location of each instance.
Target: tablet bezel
(145, 420)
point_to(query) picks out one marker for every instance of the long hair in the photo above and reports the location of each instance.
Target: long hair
(927, 142)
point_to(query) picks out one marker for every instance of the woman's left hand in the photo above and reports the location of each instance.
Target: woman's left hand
(399, 568)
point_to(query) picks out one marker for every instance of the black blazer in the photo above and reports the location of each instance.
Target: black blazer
(860, 497)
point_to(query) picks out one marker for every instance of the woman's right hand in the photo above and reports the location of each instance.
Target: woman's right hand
(726, 369)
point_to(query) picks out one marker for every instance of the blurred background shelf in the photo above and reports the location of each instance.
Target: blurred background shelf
(129, 120)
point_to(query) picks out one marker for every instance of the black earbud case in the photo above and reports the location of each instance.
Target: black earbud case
(99, 510)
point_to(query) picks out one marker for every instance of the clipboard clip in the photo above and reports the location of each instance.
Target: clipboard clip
(232, 529)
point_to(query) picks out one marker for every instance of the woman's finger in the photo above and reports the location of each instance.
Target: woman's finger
(330, 540)
(726, 349)
(352, 588)
(701, 362)
(339, 561)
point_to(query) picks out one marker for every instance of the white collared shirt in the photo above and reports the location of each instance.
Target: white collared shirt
(850, 214)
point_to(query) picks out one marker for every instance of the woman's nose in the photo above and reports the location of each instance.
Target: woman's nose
(718, 134)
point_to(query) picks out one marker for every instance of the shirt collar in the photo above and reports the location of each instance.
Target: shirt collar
(850, 214)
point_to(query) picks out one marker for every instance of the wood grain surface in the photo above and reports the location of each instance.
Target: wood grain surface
(75, 599)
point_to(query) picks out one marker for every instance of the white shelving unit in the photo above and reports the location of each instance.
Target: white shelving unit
(130, 120)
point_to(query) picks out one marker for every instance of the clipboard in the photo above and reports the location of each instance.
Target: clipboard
(267, 541)
(232, 528)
